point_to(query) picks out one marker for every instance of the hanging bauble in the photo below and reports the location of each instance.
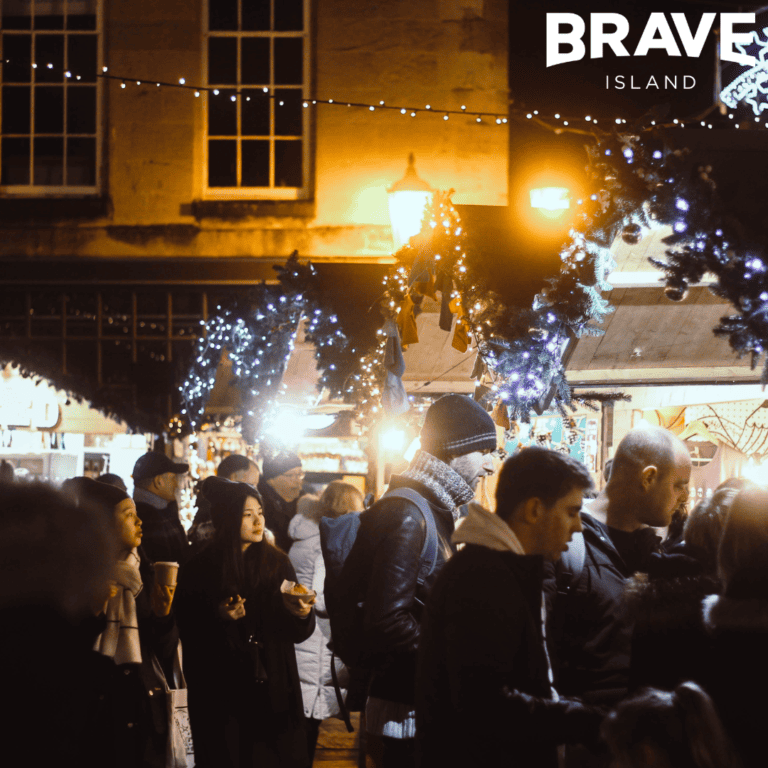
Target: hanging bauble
(676, 292)
(241, 337)
(632, 234)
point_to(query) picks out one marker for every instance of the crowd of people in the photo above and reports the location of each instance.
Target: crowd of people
(562, 628)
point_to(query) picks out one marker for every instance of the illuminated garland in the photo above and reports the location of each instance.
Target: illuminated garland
(258, 334)
(519, 351)
(645, 184)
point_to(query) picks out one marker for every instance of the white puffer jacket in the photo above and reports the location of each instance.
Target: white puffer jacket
(313, 656)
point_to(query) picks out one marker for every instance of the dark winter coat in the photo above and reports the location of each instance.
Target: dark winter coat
(736, 672)
(381, 572)
(277, 513)
(220, 670)
(482, 633)
(669, 644)
(590, 629)
(139, 704)
(163, 536)
(57, 692)
(589, 633)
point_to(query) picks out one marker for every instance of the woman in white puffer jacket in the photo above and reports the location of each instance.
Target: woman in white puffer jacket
(313, 656)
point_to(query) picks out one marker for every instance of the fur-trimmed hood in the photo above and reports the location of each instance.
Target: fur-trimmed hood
(661, 602)
(304, 524)
(723, 614)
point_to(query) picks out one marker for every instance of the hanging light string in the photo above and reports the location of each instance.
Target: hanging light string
(556, 122)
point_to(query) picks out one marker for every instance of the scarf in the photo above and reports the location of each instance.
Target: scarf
(120, 639)
(448, 486)
(488, 530)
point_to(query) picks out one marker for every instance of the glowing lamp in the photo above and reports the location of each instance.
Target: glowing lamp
(550, 199)
(393, 440)
(407, 200)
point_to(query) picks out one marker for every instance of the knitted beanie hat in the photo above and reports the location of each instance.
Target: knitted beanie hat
(457, 425)
(227, 498)
(279, 464)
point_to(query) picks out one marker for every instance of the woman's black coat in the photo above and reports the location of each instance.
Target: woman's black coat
(217, 663)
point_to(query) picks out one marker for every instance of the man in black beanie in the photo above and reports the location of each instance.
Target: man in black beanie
(280, 487)
(382, 569)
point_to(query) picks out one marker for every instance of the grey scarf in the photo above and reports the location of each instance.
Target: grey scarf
(450, 487)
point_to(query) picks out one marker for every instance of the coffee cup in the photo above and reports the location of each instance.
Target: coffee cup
(166, 573)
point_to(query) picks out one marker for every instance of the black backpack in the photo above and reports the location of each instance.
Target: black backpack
(337, 539)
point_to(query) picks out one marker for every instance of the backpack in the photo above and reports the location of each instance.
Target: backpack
(337, 538)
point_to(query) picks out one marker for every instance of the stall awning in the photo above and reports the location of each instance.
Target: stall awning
(652, 340)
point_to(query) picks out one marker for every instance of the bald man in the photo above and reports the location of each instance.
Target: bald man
(590, 633)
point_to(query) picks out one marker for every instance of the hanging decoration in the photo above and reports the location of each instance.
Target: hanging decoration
(750, 85)
(647, 184)
(258, 334)
(519, 351)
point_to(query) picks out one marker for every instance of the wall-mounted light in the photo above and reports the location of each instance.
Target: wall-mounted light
(550, 201)
(407, 200)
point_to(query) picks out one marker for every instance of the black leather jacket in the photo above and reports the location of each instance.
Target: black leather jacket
(385, 563)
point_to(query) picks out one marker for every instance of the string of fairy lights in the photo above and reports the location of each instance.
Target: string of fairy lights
(556, 121)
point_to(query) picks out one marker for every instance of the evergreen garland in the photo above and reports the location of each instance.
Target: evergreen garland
(646, 184)
(520, 351)
(33, 363)
(258, 333)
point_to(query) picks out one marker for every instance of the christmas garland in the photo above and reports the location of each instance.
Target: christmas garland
(519, 358)
(647, 184)
(33, 363)
(258, 332)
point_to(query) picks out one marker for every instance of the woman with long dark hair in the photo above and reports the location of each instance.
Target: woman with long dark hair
(238, 631)
(138, 633)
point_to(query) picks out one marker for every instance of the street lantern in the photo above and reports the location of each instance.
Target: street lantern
(550, 201)
(407, 200)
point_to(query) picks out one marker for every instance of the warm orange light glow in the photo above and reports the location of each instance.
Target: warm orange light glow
(407, 200)
(545, 199)
(553, 199)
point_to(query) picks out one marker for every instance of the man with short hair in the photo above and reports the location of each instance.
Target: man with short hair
(382, 569)
(590, 633)
(155, 480)
(282, 478)
(484, 683)
(235, 467)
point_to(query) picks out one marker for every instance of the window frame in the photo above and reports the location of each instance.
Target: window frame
(49, 190)
(258, 193)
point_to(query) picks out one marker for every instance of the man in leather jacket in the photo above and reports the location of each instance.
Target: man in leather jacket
(456, 439)
(484, 692)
